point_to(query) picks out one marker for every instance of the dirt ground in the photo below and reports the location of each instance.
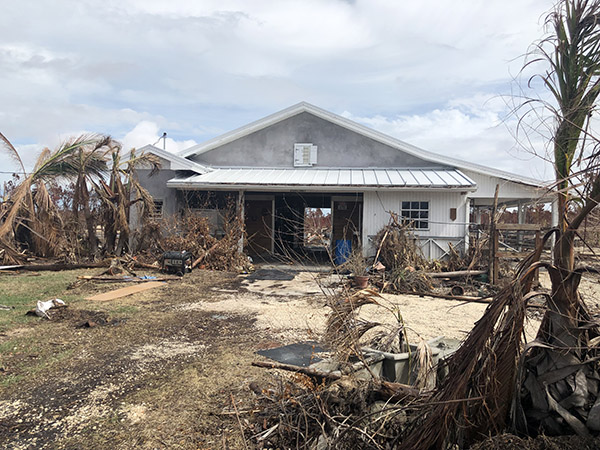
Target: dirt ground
(162, 369)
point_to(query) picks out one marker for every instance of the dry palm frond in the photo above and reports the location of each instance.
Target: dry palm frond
(344, 329)
(398, 246)
(426, 376)
(8, 254)
(407, 280)
(12, 151)
(16, 202)
(48, 228)
(475, 397)
(389, 339)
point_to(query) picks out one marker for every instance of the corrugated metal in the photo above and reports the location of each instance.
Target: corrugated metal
(390, 178)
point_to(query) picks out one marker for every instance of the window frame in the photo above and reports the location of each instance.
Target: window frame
(158, 215)
(415, 214)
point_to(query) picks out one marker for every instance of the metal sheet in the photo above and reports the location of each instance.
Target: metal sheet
(390, 178)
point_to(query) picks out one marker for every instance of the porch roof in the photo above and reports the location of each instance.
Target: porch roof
(326, 179)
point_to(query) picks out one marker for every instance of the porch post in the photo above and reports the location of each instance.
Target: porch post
(467, 231)
(241, 215)
(520, 221)
(521, 213)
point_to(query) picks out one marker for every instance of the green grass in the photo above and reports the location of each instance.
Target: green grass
(125, 309)
(21, 293)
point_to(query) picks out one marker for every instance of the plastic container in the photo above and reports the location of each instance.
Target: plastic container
(343, 249)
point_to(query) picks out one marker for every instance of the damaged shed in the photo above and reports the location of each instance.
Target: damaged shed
(306, 179)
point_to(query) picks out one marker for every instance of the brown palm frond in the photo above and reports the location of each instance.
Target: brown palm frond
(343, 328)
(12, 152)
(483, 368)
(15, 205)
(143, 160)
(425, 367)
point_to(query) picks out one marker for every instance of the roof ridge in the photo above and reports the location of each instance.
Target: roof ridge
(358, 128)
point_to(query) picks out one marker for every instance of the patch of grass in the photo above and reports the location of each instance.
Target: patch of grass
(28, 355)
(21, 293)
(125, 309)
(10, 380)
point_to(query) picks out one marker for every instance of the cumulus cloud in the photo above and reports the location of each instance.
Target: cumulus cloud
(147, 132)
(469, 129)
(133, 68)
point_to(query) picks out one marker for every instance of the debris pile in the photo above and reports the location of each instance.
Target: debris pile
(194, 233)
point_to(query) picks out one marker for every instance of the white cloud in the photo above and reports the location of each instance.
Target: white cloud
(133, 68)
(147, 132)
(471, 129)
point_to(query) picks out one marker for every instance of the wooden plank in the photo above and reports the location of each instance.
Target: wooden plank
(512, 254)
(118, 293)
(518, 226)
(457, 273)
(11, 267)
(496, 258)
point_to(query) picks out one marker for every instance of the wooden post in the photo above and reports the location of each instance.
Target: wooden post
(494, 240)
(242, 217)
(538, 242)
(495, 259)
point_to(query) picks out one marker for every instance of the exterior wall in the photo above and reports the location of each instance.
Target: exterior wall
(157, 187)
(509, 190)
(337, 147)
(442, 229)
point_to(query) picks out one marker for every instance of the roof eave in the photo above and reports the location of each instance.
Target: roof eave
(177, 162)
(315, 188)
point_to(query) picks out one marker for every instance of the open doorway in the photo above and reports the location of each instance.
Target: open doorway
(317, 228)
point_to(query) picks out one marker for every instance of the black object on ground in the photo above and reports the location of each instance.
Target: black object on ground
(301, 354)
(271, 274)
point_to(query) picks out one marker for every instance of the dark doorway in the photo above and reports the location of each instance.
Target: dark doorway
(347, 221)
(259, 226)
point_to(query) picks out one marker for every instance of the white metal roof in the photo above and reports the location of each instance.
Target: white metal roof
(358, 128)
(177, 162)
(333, 179)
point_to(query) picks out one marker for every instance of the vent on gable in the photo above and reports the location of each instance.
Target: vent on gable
(305, 155)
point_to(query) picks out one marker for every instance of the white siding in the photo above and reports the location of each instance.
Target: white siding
(441, 228)
(486, 187)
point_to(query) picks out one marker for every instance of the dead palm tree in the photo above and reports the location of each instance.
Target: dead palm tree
(122, 191)
(30, 206)
(553, 383)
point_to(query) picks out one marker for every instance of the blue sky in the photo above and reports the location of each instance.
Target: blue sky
(436, 74)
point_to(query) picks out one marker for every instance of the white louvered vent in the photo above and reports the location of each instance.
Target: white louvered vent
(305, 155)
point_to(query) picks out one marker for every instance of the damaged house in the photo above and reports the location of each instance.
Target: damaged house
(306, 180)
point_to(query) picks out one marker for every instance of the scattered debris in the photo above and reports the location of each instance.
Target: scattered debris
(42, 307)
(123, 292)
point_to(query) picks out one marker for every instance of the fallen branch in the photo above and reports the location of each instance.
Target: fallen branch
(465, 298)
(60, 266)
(456, 274)
(124, 279)
(393, 391)
(206, 253)
(145, 266)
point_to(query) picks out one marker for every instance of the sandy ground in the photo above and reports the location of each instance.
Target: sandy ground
(165, 373)
(296, 309)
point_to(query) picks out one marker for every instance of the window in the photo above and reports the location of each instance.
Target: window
(416, 214)
(157, 212)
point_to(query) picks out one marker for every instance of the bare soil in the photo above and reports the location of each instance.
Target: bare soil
(162, 369)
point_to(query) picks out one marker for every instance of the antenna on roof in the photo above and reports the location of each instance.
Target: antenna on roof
(164, 138)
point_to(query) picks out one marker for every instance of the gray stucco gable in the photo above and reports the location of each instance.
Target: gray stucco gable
(337, 147)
